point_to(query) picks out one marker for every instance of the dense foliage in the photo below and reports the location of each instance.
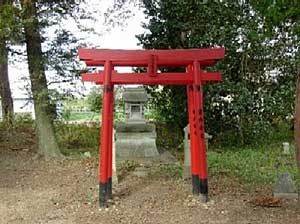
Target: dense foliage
(95, 100)
(257, 90)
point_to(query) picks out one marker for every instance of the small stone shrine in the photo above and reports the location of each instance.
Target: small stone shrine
(135, 99)
(135, 138)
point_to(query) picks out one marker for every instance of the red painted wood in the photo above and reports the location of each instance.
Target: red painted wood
(152, 66)
(110, 131)
(105, 124)
(145, 78)
(199, 124)
(164, 57)
(145, 63)
(194, 157)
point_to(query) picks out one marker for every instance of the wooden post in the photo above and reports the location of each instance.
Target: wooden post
(103, 179)
(193, 151)
(110, 142)
(199, 132)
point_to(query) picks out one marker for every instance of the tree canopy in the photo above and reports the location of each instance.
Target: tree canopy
(253, 94)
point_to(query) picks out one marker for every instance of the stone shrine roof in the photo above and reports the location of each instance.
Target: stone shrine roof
(137, 94)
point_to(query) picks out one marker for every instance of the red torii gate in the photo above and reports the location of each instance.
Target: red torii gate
(193, 78)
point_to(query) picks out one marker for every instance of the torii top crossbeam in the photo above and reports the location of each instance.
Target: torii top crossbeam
(177, 57)
(152, 59)
(192, 60)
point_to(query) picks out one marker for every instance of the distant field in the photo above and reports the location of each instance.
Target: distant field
(91, 116)
(84, 116)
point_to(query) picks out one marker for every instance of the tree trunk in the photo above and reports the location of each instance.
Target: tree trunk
(44, 121)
(297, 127)
(5, 93)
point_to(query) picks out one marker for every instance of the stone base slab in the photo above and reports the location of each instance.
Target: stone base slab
(286, 195)
(131, 148)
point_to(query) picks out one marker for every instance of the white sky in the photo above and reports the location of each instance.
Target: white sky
(117, 38)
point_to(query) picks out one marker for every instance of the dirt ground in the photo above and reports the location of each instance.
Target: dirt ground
(33, 190)
(65, 190)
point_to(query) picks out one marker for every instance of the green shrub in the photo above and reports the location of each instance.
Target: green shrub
(169, 136)
(23, 119)
(78, 137)
(22, 123)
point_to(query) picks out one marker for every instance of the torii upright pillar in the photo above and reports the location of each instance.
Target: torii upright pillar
(106, 136)
(193, 78)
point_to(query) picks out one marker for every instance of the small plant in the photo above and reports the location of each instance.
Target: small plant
(56, 200)
(90, 197)
(128, 165)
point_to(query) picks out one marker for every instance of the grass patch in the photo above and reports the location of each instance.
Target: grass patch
(253, 165)
(84, 117)
(165, 171)
(90, 116)
(250, 164)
